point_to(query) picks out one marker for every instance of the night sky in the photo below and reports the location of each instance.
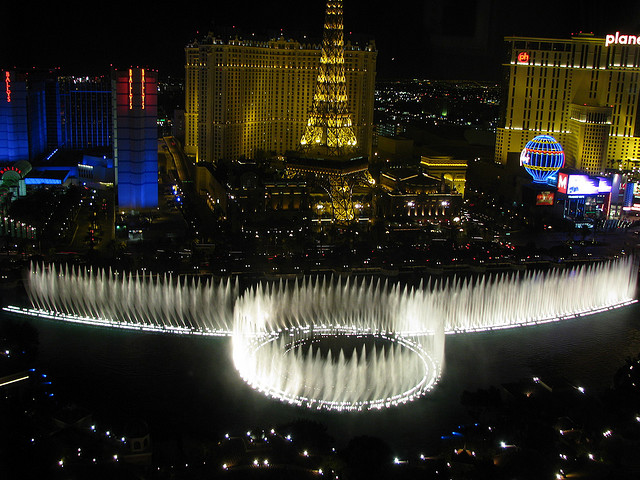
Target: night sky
(459, 39)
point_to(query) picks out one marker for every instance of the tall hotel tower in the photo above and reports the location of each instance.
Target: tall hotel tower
(135, 138)
(14, 127)
(582, 91)
(245, 96)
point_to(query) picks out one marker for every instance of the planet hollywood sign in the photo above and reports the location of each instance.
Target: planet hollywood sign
(617, 39)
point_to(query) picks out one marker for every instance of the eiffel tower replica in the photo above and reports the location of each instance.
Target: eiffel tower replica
(328, 153)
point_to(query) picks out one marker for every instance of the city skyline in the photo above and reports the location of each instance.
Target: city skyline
(433, 39)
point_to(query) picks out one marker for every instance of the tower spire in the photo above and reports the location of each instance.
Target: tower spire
(329, 124)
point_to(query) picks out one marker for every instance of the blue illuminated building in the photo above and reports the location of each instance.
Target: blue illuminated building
(135, 137)
(85, 112)
(542, 157)
(14, 126)
(29, 115)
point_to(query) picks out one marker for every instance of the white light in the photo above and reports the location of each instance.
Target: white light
(258, 339)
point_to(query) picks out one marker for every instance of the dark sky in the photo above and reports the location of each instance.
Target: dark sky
(451, 39)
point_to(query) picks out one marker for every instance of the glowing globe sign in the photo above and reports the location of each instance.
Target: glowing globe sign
(542, 157)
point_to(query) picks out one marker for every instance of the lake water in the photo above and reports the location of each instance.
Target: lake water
(189, 384)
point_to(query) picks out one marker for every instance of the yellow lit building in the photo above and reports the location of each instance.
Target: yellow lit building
(244, 97)
(583, 91)
(452, 171)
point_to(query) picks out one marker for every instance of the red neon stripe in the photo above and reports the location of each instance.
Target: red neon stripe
(7, 81)
(552, 152)
(143, 90)
(130, 90)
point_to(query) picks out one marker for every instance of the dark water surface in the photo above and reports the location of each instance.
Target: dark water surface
(188, 384)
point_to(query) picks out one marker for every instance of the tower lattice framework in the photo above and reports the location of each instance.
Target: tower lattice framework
(329, 139)
(329, 124)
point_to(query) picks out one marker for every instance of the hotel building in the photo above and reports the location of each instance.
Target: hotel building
(583, 91)
(244, 97)
(85, 112)
(135, 137)
(14, 126)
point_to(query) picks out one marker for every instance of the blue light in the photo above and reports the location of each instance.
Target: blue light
(42, 181)
(51, 155)
(542, 157)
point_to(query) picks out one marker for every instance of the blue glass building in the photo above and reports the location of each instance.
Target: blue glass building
(85, 108)
(14, 125)
(135, 138)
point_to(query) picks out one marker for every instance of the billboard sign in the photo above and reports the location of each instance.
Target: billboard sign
(582, 185)
(563, 181)
(604, 185)
(545, 198)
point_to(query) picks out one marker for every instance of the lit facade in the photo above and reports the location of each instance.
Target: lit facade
(580, 91)
(244, 97)
(135, 138)
(14, 126)
(85, 112)
(453, 172)
(330, 154)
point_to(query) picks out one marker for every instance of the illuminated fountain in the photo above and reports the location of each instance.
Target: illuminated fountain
(132, 301)
(329, 343)
(294, 342)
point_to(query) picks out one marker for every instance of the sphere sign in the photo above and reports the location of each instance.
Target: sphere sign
(542, 157)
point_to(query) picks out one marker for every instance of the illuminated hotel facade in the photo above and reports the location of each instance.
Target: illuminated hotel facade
(85, 112)
(135, 137)
(245, 96)
(14, 126)
(582, 91)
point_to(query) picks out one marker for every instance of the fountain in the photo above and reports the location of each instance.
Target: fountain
(325, 342)
(133, 301)
(279, 328)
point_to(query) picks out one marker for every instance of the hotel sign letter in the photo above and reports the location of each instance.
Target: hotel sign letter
(618, 39)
